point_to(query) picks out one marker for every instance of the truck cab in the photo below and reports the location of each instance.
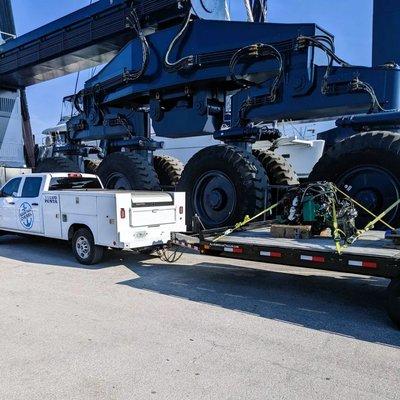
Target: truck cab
(23, 207)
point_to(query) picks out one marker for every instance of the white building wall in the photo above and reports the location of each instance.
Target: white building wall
(11, 135)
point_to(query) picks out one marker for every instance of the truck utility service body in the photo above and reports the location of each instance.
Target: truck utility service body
(57, 205)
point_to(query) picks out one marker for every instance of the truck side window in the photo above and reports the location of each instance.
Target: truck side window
(31, 187)
(11, 187)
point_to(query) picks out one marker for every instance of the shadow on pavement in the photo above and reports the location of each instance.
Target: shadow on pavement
(346, 305)
(45, 251)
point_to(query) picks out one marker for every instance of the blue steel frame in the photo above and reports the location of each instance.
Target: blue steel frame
(192, 101)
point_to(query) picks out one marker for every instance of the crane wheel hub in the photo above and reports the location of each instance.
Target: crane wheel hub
(215, 197)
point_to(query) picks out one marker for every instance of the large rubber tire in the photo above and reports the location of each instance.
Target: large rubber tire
(367, 167)
(57, 164)
(128, 171)
(169, 171)
(279, 171)
(91, 166)
(223, 184)
(84, 248)
(393, 303)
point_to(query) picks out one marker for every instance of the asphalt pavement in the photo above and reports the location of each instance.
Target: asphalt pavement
(135, 327)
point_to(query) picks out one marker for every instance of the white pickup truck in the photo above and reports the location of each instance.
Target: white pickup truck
(76, 208)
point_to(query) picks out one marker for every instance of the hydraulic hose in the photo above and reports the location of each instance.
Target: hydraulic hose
(182, 62)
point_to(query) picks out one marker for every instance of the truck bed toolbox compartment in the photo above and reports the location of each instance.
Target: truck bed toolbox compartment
(152, 209)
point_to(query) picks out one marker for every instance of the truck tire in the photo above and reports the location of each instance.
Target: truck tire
(84, 248)
(169, 171)
(57, 164)
(279, 171)
(128, 171)
(393, 303)
(223, 184)
(367, 167)
(91, 166)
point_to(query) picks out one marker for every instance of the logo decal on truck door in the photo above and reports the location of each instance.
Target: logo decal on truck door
(26, 216)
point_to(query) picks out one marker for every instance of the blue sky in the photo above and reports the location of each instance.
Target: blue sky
(349, 20)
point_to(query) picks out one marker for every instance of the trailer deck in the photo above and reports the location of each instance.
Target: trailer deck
(372, 254)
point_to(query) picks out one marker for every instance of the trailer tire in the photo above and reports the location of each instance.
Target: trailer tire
(393, 302)
(279, 171)
(128, 171)
(57, 164)
(84, 248)
(372, 157)
(223, 184)
(169, 171)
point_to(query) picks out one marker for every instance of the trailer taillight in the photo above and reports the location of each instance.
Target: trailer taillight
(123, 213)
(181, 210)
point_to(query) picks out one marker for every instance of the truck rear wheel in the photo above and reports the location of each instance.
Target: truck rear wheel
(85, 249)
(128, 171)
(169, 171)
(393, 305)
(367, 167)
(57, 164)
(223, 184)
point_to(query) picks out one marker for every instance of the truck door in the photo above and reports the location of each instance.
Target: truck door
(52, 215)
(28, 207)
(8, 194)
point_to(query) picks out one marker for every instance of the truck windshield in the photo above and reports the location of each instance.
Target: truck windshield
(74, 183)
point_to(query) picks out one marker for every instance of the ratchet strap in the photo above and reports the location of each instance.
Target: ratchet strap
(336, 230)
(364, 208)
(371, 225)
(246, 221)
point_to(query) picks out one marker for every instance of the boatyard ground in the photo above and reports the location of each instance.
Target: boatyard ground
(135, 327)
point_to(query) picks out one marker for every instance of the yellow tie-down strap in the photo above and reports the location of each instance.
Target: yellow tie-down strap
(336, 231)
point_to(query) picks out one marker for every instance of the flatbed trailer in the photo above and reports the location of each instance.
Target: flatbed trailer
(371, 254)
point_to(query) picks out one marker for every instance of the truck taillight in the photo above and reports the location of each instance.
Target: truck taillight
(75, 175)
(123, 213)
(181, 210)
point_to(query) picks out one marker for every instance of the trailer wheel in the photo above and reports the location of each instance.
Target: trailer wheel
(57, 164)
(169, 171)
(223, 184)
(84, 248)
(128, 171)
(91, 166)
(367, 167)
(393, 305)
(279, 171)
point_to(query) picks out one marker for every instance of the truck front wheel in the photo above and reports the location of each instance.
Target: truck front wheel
(84, 248)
